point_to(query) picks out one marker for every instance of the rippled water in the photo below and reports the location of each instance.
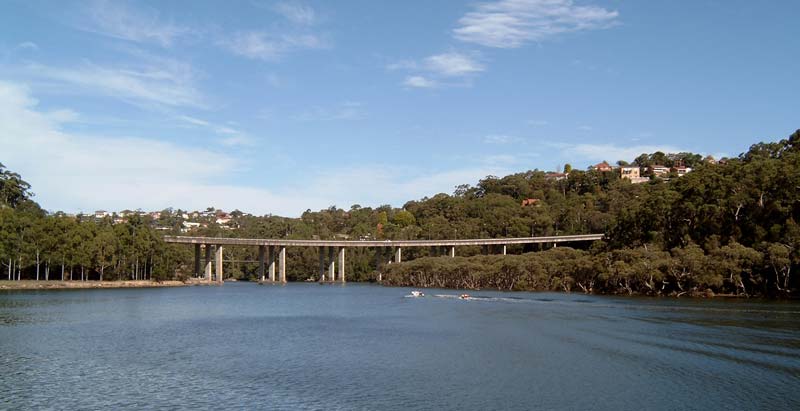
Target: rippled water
(306, 346)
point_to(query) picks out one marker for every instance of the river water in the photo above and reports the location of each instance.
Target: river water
(308, 346)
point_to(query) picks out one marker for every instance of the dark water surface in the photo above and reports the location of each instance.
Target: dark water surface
(307, 346)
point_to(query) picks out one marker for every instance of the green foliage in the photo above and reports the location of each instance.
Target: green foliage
(724, 228)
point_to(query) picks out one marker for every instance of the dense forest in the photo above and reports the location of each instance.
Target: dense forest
(724, 228)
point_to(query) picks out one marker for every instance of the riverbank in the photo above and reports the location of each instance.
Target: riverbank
(55, 285)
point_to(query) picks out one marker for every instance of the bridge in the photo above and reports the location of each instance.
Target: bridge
(272, 252)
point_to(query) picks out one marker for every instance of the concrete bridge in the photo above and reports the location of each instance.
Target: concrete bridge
(272, 252)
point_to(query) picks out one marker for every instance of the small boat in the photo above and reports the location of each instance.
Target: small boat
(416, 293)
(463, 296)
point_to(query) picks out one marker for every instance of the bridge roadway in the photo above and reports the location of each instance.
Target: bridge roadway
(267, 251)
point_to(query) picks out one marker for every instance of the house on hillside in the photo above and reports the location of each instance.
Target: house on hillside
(681, 170)
(556, 176)
(632, 173)
(601, 167)
(659, 170)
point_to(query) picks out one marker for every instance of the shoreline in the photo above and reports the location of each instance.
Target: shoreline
(76, 285)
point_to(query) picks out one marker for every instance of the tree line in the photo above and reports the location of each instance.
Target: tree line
(40, 246)
(723, 228)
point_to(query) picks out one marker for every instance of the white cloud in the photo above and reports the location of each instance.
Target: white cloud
(74, 172)
(434, 71)
(419, 82)
(117, 20)
(231, 136)
(450, 64)
(297, 13)
(453, 64)
(512, 23)
(347, 110)
(261, 45)
(538, 123)
(169, 83)
(27, 45)
(63, 116)
(585, 128)
(195, 121)
(500, 139)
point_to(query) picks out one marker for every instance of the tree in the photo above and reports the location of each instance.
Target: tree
(13, 189)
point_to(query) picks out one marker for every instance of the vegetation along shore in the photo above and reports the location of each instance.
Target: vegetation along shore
(675, 224)
(54, 285)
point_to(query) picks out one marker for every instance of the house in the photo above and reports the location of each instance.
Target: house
(601, 167)
(659, 170)
(556, 176)
(155, 215)
(101, 214)
(681, 170)
(187, 225)
(530, 202)
(632, 173)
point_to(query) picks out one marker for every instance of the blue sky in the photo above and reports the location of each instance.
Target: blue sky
(281, 106)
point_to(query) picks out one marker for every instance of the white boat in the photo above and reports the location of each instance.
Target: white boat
(416, 293)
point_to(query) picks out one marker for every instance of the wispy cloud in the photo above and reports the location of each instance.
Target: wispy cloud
(118, 20)
(537, 123)
(419, 82)
(347, 110)
(438, 70)
(27, 45)
(296, 12)
(500, 139)
(262, 45)
(453, 64)
(274, 43)
(229, 136)
(513, 23)
(450, 64)
(152, 174)
(169, 83)
(195, 121)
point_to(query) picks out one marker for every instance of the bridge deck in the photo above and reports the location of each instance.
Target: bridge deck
(374, 243)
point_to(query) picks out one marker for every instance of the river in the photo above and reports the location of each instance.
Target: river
(366, 347)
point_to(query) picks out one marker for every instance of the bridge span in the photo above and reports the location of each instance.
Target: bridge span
(272, 251)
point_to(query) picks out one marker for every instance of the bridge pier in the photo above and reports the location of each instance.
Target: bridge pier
(452, 252)
(208, 263)
(271, 250)
(220, 274)
(504, 249)
(398, 254)
(197, 261)
(321, 263)
(341, 264)
(282, 264)
(331, 265)
(261, 251)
